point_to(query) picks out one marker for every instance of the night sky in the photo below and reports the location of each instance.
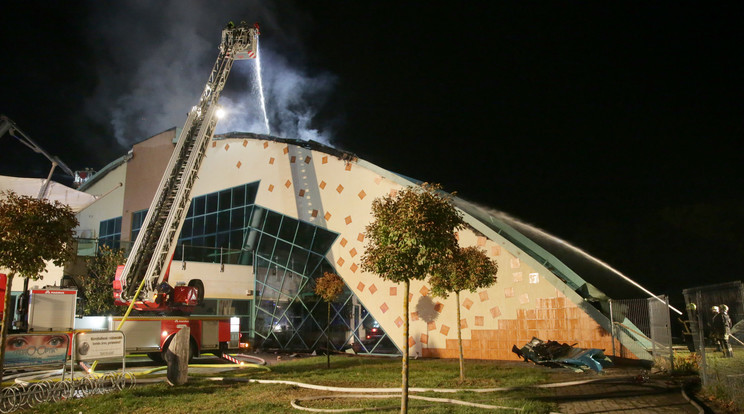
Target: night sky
(616, 127)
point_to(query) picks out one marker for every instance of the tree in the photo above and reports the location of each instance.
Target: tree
(32, 233)
(469, 268)
(328, 287)
(411, 235)
(98, 283)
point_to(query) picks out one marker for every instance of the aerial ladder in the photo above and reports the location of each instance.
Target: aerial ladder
(144, 278)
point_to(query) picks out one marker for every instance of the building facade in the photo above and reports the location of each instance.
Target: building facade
(268, 216)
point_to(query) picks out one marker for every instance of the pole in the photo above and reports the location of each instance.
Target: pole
(669, 335)
(45, 187)
(701, 337)
(612, 329)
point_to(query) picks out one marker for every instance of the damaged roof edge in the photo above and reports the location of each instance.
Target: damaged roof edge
(310, 144)
(105, 170)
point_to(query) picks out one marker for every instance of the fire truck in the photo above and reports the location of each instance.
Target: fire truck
(51, 310)
(142, 282)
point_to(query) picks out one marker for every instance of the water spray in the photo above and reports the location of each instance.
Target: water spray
(260, 88)
(578, 250)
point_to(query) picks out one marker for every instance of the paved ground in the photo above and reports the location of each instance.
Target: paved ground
(621, 390)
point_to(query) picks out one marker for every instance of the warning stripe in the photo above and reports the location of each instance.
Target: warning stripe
(230, 358)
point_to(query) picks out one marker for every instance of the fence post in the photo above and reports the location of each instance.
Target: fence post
(669, 334)
(701, 337)
(612, 329)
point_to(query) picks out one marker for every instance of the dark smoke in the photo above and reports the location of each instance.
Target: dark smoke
(153, 60)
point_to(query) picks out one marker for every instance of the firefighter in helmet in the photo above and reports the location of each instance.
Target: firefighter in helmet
(721, 329)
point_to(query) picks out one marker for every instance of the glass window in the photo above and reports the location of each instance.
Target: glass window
(199, 203)
(266, 246)
(186, 230)
(238, 197)
(138, 217)
(323, 241)
(225, 200)
(236, 218)
(210, 224)
(223, 221)
(211, 203)
(305, 233)
(198, 226)
(288, 229)
(273, 221)
(281, 252)
(109, 232)
(250, 193)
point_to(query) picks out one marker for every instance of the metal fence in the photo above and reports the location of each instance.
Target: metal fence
(646, 321)
(25, 395)
(720, 373)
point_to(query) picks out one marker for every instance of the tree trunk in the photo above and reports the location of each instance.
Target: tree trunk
(177, 357)
(459, 338)
(328, 338)
(404, 386)
(7, 318)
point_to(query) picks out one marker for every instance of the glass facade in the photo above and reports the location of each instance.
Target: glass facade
(215, 226)
(109, 233)
(287, 256)
(290, 316)
(137, 218)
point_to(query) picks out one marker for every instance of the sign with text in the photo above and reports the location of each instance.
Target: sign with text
(28, 350)
(91, 346)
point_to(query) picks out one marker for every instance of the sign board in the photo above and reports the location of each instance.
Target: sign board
(30, 350)
(90, 346)
(52, 310)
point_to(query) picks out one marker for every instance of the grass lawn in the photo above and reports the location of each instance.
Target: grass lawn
(202, 395)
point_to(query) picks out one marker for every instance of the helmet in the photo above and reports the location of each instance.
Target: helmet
(692, 307)
(714, 309)
(724, 308)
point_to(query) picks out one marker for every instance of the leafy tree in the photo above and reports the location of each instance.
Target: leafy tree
(32, 233)
(411, 235)
(328, 287)
(469, 268)
(98, 283)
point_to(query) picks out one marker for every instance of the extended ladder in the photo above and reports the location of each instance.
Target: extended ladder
(148, 261)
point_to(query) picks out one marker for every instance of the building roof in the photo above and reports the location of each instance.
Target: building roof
(581, 272)
(76, 200)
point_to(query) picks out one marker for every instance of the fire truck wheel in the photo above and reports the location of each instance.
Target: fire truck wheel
(155, 356)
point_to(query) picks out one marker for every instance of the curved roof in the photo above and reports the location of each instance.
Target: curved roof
(584, 273)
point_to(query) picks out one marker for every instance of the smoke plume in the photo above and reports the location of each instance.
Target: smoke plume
(153, 60)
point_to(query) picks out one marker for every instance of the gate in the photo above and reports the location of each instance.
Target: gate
(717, 370)
(647, 321)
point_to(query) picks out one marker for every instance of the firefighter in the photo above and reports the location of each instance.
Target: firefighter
(728, 350)
(720, 330)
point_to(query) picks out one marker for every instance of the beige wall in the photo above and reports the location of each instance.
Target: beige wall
(144, 172)
(51, 276)
(107, 207)
(337, 194)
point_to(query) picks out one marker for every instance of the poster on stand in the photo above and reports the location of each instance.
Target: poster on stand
(30, 350)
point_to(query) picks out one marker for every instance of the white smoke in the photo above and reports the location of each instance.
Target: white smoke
(154, 58)
(292, 100)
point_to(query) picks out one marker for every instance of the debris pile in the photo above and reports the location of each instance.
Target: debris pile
(555, 354)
